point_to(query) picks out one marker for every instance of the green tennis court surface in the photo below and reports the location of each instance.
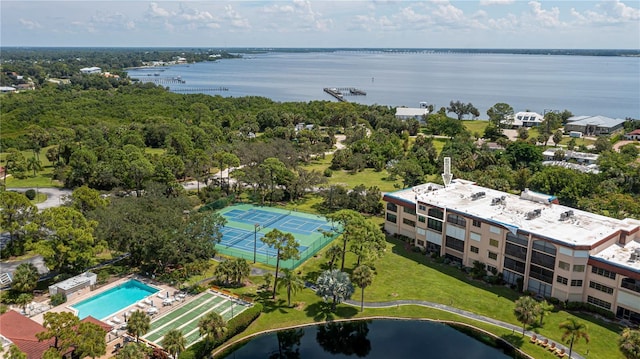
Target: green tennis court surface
(186, 317)
(247, 224)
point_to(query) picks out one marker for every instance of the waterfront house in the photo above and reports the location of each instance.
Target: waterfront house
(407, 113)
(593, 125)
(525, 119)
(90, 70)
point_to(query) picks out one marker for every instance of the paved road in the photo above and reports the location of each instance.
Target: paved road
(55, 196)
(464, 313)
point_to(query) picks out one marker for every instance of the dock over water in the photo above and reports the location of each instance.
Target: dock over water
(340, 92)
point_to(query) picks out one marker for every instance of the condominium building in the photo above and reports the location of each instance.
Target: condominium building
(549, 249)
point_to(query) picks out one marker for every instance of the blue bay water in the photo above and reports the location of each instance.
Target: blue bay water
(584, 85)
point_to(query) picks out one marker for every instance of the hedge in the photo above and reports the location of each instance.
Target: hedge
(235, 326)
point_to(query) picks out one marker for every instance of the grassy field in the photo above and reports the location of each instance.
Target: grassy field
(403, 274)
(42, 179)
(368, 176)
(476, 126)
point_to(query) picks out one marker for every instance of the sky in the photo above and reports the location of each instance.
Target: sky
(611, 24)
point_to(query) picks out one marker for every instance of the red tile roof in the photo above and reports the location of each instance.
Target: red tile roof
(634, 132)
(22, 332)
(107, 328)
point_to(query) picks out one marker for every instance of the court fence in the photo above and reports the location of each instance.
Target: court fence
(270, 258)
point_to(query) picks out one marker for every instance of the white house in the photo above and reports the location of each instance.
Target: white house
(633, 135)
(526, 119)
(90, 70)
(407, 113)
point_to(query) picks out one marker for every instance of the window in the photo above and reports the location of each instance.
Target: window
(578, 267)
(576, 282)
(477, 223)
(411, 211)
(562, 280)
(420, 243)
(521, 240)
(543, 259)
(454, 243)
(540, 273)
(603, 272)
(422, 207)
(475, 236)
(495, 230)
(457, 220)
(392, 218)
(392, 207)
(434, 212)
(514, 265)
(492, 269)
(492, 255)
(434, 224)
(564, 265)
(631, 284)
(475, 249)
(600, 287)
(421, 219)
(544, 246)
(409, 222)
(599, 302)
(494, 242)
(515, 251)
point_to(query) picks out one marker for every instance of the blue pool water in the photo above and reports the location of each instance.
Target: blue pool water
(107, 303)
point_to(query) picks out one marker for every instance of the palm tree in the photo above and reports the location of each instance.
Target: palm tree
(23, 300)
(334, 252)
(629, 343)
(286, 246)
(132, 351)
(212, 326)
(241, 270)
(362, 276)
(525, 311)
(174, 342)
(543, 308)
(291, 281)
(336, 285)
(573, 330)
(138, 324)
(25, 278)
(34, 165)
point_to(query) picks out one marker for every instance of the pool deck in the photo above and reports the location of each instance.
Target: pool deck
(88, 293)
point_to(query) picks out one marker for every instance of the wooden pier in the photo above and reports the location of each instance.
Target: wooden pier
(340, 92)
(199, 89)
(163, 80)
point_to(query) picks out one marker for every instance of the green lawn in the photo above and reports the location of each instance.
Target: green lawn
(368, 176)
(42, 178)
(476, 126)
(407, 275)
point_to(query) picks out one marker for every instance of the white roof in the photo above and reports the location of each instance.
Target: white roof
(411, 111)
(519, 118)
(600, 121)
(621, 255)
(583, 228)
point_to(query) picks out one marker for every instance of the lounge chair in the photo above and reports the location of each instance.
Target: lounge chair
(552, 347)
(561, 353)
(141, 305)
(543, 342)
(534, 338)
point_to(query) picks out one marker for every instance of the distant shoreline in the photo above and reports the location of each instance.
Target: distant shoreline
(257, 50)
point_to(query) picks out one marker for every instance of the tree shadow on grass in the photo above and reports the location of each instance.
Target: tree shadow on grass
(515, 339)
(321, 311)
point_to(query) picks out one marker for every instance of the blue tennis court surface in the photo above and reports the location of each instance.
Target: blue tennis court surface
(247, 224)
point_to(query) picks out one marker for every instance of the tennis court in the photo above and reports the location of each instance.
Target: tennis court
(186, 317)
(247, 224)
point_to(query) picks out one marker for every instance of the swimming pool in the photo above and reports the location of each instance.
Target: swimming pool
(107, 303)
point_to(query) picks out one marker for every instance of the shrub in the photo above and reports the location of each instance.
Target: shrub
(328, 172)
(31, 194)
(58, 299)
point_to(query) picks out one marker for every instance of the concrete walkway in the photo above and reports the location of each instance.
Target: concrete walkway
(464, 313)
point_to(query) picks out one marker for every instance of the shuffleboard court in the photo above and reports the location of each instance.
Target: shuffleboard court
(186, 317)
(247, 224)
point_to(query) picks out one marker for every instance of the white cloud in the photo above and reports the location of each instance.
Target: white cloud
(155, 10)
(496, 2)
(30, 24)
(607, 13)
(545, 18)
(235, 19)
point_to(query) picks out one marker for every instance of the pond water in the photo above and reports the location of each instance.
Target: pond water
(382, 339)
